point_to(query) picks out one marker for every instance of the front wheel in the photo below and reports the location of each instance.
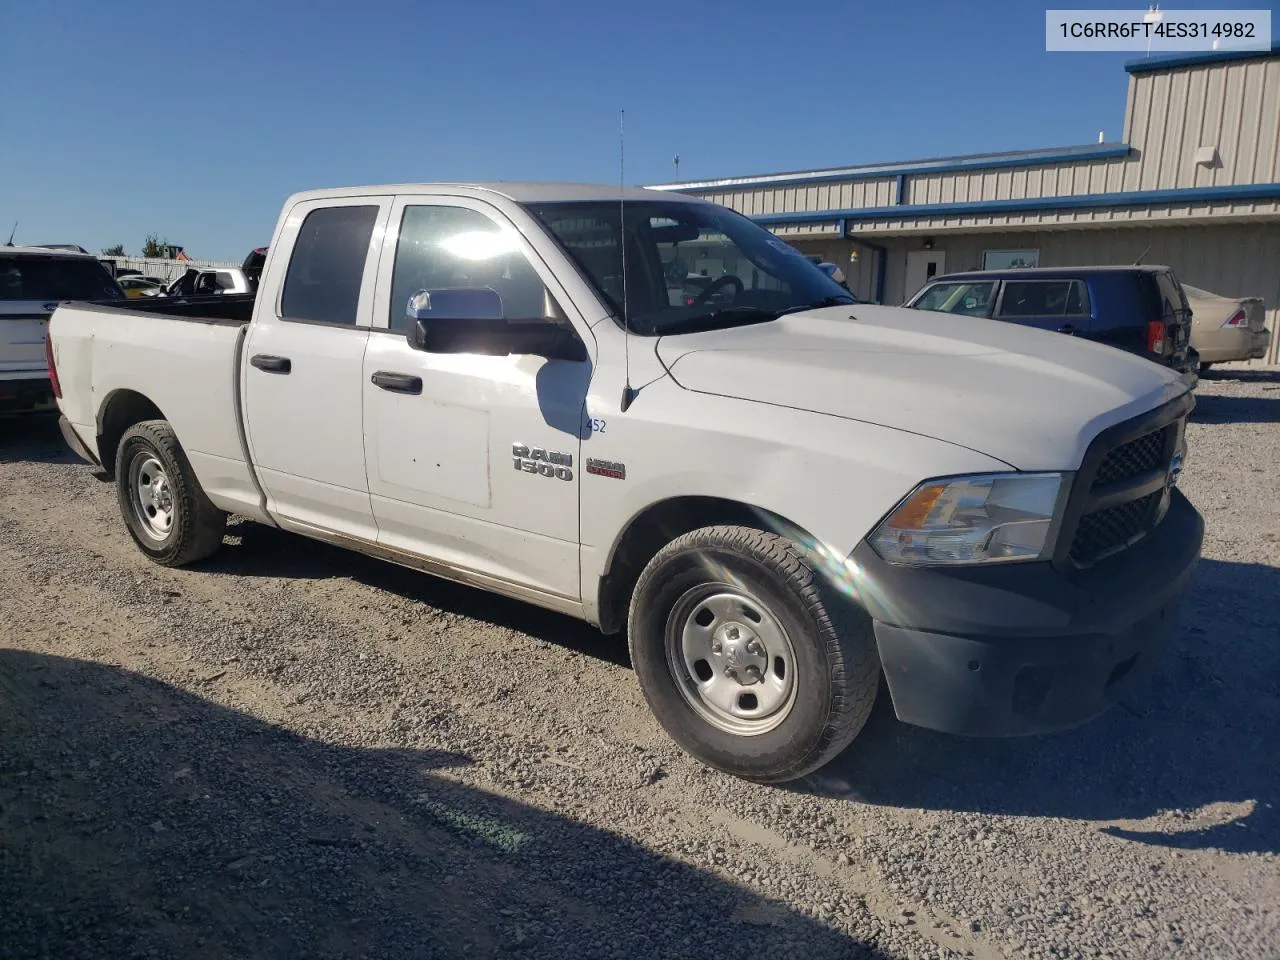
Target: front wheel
(747, 658)
(168, 514)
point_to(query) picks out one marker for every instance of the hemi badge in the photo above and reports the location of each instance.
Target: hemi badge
(606, 468)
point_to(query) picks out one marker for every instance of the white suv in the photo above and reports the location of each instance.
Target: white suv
(33, 281)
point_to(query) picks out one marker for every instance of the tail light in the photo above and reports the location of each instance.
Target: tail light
(1155, 336)
(1237, 319)
(53, 367)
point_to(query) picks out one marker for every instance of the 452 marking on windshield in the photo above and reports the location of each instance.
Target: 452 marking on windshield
(544, 463)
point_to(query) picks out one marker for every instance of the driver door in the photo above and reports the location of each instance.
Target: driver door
(451, 437)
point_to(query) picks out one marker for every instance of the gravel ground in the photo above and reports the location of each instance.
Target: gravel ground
(297, 752)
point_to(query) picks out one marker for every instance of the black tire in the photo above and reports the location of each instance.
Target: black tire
(1204, 367)
(196, 526)
(837, 669)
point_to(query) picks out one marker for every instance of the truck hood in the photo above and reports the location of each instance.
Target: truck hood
(1031, 398)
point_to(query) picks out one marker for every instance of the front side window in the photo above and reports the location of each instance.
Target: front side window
(450, 248)
(968, 298)
(1044, 298)
(327, 266)
(29, 277)
(688, 266)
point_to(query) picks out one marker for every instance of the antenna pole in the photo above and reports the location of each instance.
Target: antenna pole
(628, 392)
(11, 233)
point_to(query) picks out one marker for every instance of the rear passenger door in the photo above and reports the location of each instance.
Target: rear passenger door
(1052, 304)
(302, 366)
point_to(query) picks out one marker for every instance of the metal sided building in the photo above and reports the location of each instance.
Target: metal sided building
(1195, 184)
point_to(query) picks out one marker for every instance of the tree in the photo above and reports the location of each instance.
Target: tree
(115, 251)
(154, 248)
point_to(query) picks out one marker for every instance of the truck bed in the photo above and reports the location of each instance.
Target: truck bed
(181, 357)
(227, 310)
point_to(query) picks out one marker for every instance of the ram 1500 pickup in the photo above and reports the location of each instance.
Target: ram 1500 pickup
(779, 493)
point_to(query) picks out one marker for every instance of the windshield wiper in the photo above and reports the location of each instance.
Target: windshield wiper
(818, 304)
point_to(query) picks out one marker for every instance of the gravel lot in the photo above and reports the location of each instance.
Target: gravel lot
(294, 751)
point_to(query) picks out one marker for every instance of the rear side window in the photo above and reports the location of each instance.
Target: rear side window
(1044, 298)
(55, 278)
(1171, 295)
(971, 299)
(323, 282)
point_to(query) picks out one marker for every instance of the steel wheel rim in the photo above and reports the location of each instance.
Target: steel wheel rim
(731, 659)
(151, 496)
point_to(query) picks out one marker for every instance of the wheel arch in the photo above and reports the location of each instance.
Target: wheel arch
(657, 525)
(119, 411)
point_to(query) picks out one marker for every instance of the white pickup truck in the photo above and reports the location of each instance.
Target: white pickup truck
(780, 493)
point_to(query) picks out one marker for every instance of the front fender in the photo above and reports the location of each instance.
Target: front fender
(832, 477)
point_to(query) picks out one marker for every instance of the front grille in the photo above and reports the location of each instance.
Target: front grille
(1132, 459)
(1104, 531)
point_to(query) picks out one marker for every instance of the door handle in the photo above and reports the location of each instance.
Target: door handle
(397, 382)
(270, 364)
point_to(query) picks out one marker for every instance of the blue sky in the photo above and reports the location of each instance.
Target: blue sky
(196, 121)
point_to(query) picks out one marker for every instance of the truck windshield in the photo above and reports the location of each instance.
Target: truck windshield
(35, 277)
(689, 266)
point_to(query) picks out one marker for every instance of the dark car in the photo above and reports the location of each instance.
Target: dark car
(1141, 309)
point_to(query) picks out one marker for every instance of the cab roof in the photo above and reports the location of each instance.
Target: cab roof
(518, 191)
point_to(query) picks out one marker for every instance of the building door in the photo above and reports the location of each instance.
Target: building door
(923, 266)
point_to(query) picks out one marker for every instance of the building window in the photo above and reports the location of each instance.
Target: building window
(1009, 259)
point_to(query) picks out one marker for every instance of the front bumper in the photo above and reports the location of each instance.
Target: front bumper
(1026, 648)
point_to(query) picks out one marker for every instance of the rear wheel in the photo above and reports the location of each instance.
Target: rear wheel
(748, 660)
(168, 515)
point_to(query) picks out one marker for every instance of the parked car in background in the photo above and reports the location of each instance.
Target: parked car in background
(1139, 309)
(70, 247)
(253, 264)
(33, 281)
(136, 287)
(1227, 328)
(210, 282)
(781, 495)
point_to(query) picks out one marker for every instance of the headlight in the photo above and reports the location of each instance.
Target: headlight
(982, 518)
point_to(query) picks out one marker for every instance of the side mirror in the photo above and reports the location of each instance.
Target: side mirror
(456, 320)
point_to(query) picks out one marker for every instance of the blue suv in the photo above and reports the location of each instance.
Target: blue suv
(1141, 309)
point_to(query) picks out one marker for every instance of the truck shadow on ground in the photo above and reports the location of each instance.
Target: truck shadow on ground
(1191, 752)
(33, 438)
(1221, 409)
(255, 550)
(137, 819)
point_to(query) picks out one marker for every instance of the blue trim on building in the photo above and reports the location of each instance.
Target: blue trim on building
(901, 195)
(1154, 64)
(980, 161)
(1136, 198)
